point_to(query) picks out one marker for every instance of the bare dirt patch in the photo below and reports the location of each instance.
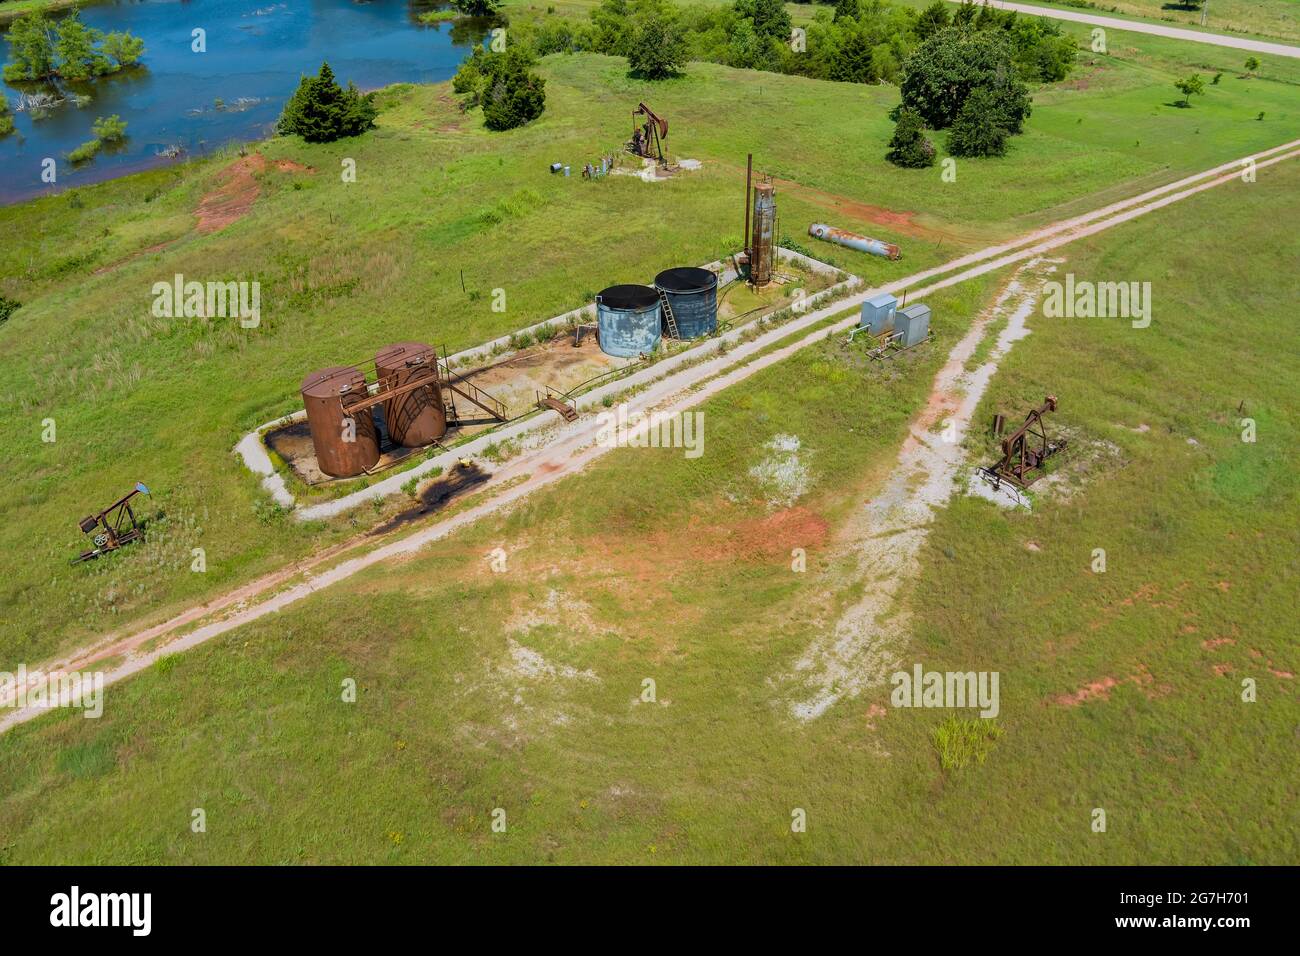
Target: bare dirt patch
(236, 190)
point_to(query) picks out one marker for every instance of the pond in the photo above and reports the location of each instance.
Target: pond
(233, 92)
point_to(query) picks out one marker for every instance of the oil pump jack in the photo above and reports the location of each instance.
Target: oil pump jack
(648, 137)
(113, 527)
(1026, 450)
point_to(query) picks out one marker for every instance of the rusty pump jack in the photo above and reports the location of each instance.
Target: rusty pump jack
(113, 527)
(1025, 451)
(648, 137)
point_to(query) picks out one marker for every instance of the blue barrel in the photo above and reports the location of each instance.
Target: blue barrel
(693, 296)
(627, 320)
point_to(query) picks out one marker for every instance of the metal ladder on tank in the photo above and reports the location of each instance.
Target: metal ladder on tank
(669, 318)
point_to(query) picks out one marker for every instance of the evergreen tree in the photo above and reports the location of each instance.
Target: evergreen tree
(909, 147)
(321, 111)
(511, 93)
(769, 17)
(853, 60)
(847, 9)
(978, 129)
(932, 19)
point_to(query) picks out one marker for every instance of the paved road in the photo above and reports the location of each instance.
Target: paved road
(1138, 26)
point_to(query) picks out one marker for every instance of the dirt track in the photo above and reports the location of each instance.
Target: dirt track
(1156, 29)
(575, 447)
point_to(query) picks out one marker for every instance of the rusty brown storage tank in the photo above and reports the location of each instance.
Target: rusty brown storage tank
(762, 246)
(417, 417)
(343, 448)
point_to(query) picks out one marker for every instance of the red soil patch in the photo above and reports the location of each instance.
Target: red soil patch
(753, 539)
(893, 219)
(873, 712)
(1100, 689)
(775, 534)
(236, 191)
(1221, 669)
(1214, 642)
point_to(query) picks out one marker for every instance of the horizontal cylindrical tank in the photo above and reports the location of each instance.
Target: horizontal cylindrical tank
(417, 417)
(693, 296)
(878, 313)
(912, 323)
(852, 240)
(628, 320)
(345, 445)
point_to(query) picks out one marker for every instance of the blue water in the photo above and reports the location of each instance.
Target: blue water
(256, 52)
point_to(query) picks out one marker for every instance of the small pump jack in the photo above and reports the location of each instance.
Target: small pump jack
(113, 527)
(1026, 450)
(648, 137)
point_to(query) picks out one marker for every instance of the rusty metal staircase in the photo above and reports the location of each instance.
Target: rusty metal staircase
(669, 319)
(555, 401)
(455, 384)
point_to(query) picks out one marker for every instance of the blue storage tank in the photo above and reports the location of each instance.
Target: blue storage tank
(693, 296)
(913, 324)
(628, 320)
(878, 313)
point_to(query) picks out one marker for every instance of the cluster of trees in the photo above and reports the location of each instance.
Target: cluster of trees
(504, 84)
(856, 41)
(6, 118)
(321, 111)
(967, 80)
(69, 50)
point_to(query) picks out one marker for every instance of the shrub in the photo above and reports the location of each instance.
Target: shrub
(123, 49)
(6, 119)
(7, 308)
(85, 152)
(979, 129)
(909, 147)
(321, 111)
(109, 129)
(503, 82)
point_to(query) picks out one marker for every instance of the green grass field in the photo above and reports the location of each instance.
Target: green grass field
(654, 566)
(347, 268)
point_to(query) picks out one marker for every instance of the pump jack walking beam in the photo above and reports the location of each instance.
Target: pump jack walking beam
(648, 137)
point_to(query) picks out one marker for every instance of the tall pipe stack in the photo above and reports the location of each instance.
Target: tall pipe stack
(763, 244)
